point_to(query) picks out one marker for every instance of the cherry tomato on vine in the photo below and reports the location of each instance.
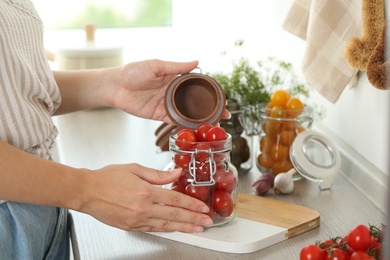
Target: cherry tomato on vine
(336, 254)
(327, 243)
(360, 255)
(359, 238)
(216, 133)
(201, 132)
(312, 252)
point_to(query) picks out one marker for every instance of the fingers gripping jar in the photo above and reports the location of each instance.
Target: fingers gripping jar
(207, 174)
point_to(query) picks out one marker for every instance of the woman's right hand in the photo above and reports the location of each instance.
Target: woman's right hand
(128, 197)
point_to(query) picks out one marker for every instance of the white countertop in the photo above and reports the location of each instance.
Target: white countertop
(99, 137)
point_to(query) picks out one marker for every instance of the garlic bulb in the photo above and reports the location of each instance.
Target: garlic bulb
(283, 182)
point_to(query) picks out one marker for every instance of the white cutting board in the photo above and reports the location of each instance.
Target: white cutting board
(260, 222)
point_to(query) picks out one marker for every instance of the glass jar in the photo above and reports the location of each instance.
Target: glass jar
(277, 134)
(207, 174)
(242, 144)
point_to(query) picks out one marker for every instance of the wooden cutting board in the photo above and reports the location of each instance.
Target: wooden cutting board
(296, 219)
(260, 222)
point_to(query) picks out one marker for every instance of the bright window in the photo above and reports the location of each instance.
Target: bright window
(73, 14)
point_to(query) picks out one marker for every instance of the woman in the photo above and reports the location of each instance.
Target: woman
(35, 191)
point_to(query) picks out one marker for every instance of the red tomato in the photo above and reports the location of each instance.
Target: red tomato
(186, 130)
(336, 254)
(185, 139)
(360, 255)
(312, 252)
(202, 156)
(184, 179)
(177, 187)
(224, 180)
(182, 160)
(227, 212)
(201, 132)
(376, 247)
(211, 213)
(327, 243)
(216, 133)
(203, 171)
(222, 203)
(199, 192)
(359, 238)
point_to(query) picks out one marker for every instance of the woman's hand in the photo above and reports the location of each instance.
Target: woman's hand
(125, 196)
(140, 87)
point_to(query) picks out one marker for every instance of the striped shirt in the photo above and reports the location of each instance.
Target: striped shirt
(29, 94)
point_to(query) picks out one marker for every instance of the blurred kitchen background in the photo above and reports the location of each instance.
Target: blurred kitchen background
(182, 30)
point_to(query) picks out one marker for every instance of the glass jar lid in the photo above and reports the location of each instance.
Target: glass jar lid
(315, 157)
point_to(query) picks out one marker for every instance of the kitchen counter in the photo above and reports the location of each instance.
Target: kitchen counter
(95, 138)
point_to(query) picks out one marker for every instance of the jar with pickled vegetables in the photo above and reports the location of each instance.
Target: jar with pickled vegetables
(207, 172)
(282, 119)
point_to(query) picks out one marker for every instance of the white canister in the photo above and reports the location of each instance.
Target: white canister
(89, 56)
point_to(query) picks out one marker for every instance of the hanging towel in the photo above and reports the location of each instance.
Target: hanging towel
(326, 26)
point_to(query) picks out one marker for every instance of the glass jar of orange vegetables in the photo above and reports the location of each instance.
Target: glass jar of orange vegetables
(282, 119)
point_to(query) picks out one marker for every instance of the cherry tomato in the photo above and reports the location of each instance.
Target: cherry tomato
(182, 160)
(211, 213)
(178, 188)
(201, 132)
(184, 179)
(271, 128)
(186, 130)
(268, 108)
(279, 152)
(202, 155)
(287, 137)
(312, 252)
(327, 243)
(222, 202)
(280, 97)
(336, 254)
(278, 112)
(227, 212)
(199, 192)
(203, 170)
(185, 139)
(359, 238)
(283, 166)
(294, 107)
(343, 244)
(216, 133)
(376, 247)
(224, 180)
(360, 255)
(266, 143)
(265, 160)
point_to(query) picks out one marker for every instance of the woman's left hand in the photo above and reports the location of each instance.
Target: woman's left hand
(141, 87)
